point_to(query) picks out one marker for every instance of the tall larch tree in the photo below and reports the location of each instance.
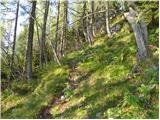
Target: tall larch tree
(43, 37)
(30, 42)
(14, 41)
(57, 25)
(64, 29)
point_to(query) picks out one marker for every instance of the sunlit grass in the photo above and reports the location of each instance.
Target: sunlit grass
(103, 91)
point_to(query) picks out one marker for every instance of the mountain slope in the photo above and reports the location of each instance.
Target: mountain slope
(93, 82)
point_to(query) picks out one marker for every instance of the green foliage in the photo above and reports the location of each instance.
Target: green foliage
(152, 75)
(31, 96)
(144, 89)
(22, 87)
(68, 92)
(130, 99)
(100, 75)
(103, 92)
(153, 37)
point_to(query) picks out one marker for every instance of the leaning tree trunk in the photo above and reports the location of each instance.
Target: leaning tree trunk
(30, 42)
(140, 32)
(55, 54)
(107, 19)
(14, 41)
(43, 38)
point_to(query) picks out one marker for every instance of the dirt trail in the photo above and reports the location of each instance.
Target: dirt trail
(45, 112)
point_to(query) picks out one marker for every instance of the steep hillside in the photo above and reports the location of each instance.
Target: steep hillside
(93, 82)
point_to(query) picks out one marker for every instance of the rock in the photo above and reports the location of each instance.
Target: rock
(62, 97)
(116, 28)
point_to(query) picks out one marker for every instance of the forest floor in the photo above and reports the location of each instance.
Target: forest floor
(93, 82)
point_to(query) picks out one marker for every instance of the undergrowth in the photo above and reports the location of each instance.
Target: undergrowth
(104, 90)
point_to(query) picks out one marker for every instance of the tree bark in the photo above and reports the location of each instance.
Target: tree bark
(30, 42)
(57, 26)
(64, 29)
(84, 20)
(65, 25)
(144, 32)
(39, 43)
(89, 30)
(93, 19)
(61, 43)
(14, 41)
(43, 37)
(55, 46)
(86, 24)
(107, 19)
(140, 31)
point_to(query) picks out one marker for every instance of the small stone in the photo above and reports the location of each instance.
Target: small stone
(62, 97)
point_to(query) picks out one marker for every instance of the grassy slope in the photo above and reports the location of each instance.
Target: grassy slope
(28, 98)
(103, 89)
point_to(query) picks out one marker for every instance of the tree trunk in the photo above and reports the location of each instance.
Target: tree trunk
(39, 43)
(140, 31)
(14, 41)
(86, 24)
(89, 31)
(93, 19)
(43, 38)
(144, 32)
(64, 29)
(65, 25)
(55, 54)
(57, 26)
(61, 43)
(30, 42)
(107, 19)
(84, 20)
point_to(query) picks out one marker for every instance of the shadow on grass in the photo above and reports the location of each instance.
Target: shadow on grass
(95, 96)
(97, 102)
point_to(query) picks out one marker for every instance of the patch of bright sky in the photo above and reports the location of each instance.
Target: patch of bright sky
(9, 16)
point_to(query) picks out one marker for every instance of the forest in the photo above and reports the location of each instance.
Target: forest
(79, 59)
